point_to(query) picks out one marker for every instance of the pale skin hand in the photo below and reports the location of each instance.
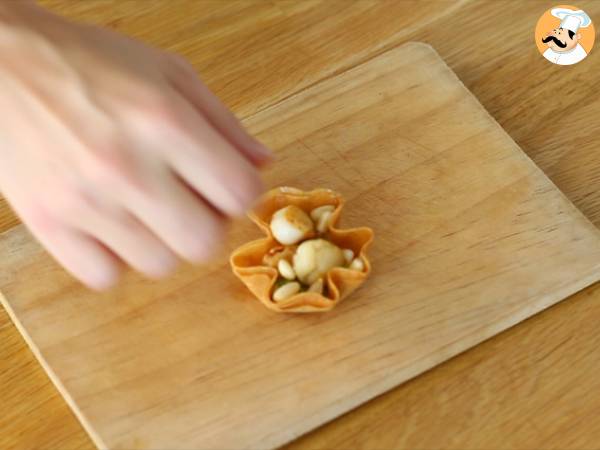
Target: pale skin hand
(113, 152)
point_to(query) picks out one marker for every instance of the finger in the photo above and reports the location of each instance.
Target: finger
(184, 80)
(208, 162)
(82, 256)
(178, 217)
(132, 241)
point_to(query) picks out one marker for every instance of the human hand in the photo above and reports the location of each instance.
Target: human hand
(112, 151)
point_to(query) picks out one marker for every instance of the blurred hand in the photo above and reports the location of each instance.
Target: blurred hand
(112, 151)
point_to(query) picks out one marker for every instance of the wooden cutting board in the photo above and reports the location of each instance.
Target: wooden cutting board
(471, 238)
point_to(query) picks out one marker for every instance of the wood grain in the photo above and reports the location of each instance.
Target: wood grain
(34, 415)
(509, 392)
(486, 44)
(471, 238)
(7, 217)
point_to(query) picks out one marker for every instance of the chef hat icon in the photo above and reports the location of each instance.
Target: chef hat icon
(570, 19)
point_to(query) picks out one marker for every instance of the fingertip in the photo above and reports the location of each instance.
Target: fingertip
(200, 243)
(102, 271)
(247, 190)
(101, 280)
(208, 248)
(262, 163)
(162, 266)
(260, 154)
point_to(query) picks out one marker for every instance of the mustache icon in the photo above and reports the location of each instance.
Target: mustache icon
(555, 40)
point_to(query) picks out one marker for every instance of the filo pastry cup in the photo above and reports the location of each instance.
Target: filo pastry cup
(248, 265)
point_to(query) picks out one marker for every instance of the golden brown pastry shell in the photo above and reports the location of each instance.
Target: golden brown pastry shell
(247, 260)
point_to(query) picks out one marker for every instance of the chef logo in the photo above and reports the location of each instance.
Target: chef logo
(564, 35)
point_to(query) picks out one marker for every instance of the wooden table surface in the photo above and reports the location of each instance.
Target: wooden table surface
(534, 386)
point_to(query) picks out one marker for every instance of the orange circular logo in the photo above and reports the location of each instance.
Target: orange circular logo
(565, 35)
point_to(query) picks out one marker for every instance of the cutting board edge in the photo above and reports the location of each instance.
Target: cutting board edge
(94, 436)
(374, 56)
(524, 156)
(410, 372)
(428, 48)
